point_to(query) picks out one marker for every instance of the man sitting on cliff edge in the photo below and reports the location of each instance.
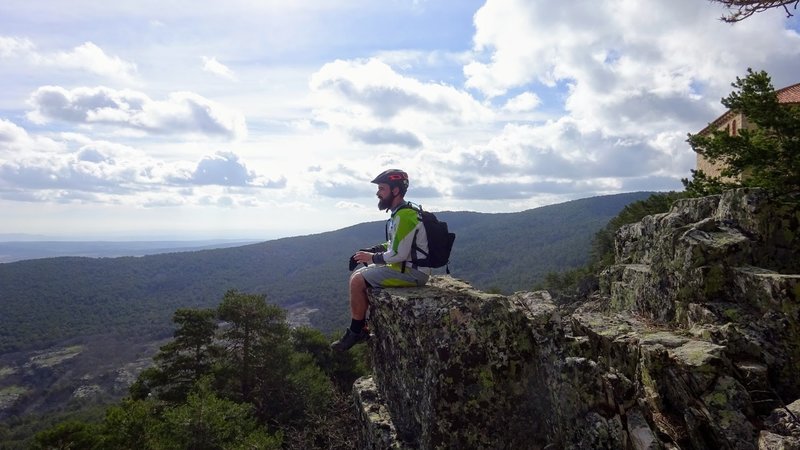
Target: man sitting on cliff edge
(388, 264)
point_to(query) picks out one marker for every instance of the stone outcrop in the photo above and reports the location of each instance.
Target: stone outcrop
(693, 341)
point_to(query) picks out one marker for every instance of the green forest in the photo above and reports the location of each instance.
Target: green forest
(233, 377)
(48, 300)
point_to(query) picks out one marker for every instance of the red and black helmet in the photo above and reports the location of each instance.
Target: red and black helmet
(394, 178)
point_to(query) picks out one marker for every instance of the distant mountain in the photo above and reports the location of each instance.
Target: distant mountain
(45, 301)
(17, 249)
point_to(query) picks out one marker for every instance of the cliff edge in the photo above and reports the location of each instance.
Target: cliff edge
(692, 342)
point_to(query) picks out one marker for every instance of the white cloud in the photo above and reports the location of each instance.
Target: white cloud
(16, 141)
(349, 205)
(223, 169)
(623, 83)
(180, 113)
(217, 68)
(350, 92)
(410, 59)
(226, 169)
(648, 66)
(164, 201)
(383, 135)
(556, 158)
(76, 168)
(222, 201)
(10, 132)
(526, 101)
(68, 176)
(14, 46)
(543, 102)
(88, 56)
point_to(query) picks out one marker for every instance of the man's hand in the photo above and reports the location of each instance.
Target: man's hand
(363, 257)
(360, 257)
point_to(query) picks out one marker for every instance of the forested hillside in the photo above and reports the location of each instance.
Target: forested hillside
(48, 300)
(234, 376)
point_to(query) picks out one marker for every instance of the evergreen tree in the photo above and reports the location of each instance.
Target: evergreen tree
(183, 361)
(256, 335)
(343, 368)
(269, 383)
(131, 425)
(766, 156)
(207, 422)
(284, 385)
(68, 436)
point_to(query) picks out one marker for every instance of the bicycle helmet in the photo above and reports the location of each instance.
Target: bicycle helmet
(394, 178)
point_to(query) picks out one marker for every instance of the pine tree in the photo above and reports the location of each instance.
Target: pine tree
(184, 360)
(207, 422)
(255, 333)
(68, 435)
(267, 390)
(132, 425)
(766, 156)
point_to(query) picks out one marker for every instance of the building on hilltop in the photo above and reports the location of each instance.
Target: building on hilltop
(732, 122)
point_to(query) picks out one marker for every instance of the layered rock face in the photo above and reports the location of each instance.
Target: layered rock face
(692, 342)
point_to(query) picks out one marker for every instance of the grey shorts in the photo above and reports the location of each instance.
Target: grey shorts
(379, 275)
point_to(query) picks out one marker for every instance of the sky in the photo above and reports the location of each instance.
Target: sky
(261, 119)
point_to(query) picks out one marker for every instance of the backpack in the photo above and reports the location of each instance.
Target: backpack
(440, 240)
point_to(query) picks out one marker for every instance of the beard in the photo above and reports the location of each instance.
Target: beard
(385, 203)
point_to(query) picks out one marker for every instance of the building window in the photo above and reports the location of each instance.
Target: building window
(733, 128)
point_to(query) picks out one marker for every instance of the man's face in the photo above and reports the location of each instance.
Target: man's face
(385, 196)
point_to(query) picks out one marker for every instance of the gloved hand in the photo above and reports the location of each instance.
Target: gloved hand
(374, 249)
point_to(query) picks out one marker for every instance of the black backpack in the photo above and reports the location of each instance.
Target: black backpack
(440, 240)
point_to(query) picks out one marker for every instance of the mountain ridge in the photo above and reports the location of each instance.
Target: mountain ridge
(13, 251)
(52, 299)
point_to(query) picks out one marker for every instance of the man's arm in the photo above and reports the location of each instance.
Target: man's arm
(402, 240)
(375, 248)
(364, 255)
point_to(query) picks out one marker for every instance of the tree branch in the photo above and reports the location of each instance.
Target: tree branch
(742, 9)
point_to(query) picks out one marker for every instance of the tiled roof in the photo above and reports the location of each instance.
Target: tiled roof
(789, 94)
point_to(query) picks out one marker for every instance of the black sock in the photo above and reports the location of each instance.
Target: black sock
(357, 325)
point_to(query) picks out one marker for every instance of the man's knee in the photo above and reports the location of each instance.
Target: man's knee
(357, 281)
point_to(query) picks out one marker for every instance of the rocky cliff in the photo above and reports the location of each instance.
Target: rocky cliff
(692, 342)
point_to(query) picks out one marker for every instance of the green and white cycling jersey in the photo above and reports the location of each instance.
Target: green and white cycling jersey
(402, 229)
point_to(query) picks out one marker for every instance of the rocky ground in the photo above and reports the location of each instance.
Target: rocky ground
(88, 370)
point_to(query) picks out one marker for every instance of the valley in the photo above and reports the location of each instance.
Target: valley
(77, 331)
